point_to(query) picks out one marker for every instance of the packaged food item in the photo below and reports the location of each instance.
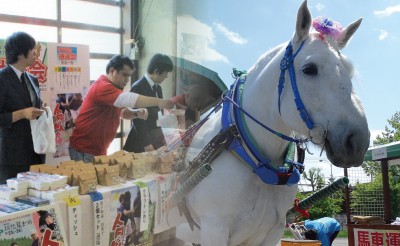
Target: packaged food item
(87, 182)
(108, 175)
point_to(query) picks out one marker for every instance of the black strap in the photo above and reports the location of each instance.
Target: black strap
(220, 142)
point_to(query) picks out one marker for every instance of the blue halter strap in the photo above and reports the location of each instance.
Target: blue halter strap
(287, 64)
(245, 149)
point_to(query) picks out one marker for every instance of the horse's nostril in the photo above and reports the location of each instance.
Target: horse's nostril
(350, 143)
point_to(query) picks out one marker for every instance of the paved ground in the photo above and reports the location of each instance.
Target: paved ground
(340, 242)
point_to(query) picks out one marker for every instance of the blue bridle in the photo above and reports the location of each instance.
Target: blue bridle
(245, 148)
(287, 64)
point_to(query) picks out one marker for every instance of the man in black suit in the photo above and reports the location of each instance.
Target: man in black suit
(145, 135)
(19, 103)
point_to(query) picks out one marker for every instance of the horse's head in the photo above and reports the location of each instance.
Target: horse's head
(324, 82)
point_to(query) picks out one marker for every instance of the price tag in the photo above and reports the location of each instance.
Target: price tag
(95, 196)
(73, 201)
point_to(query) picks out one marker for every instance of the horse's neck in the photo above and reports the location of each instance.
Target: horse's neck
(260, 98)
(265, 59)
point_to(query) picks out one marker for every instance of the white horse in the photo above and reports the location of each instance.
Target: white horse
(233, 206)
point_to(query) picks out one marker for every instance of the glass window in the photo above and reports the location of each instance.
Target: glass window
(114, 146)
(99, 42)
(45, 9)
(97, 68)
(91, 13)
(39, 33)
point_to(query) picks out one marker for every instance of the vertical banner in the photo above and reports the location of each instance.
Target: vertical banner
(122, 216)
(27, 227)
(165, 184)
(100, 237)
(146, 201)
(74, 219)
(161, 211)
(69, 80)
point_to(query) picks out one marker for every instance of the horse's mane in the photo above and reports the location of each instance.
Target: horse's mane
(348, 65)
(265, 59)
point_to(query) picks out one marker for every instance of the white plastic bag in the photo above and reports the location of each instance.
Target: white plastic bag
(43, 134)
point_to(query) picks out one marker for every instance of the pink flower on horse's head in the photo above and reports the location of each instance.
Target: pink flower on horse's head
(326, 26)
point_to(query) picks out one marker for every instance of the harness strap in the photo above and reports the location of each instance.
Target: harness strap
(207, 155)
(220, 142)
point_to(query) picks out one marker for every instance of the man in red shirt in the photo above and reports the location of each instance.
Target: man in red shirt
(102, 108)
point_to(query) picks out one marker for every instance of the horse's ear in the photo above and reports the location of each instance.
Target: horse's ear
(347, 33)
(303, 23)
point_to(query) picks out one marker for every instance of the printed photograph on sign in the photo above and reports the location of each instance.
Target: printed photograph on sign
(40, 227)
(122, 213)
(66, 107)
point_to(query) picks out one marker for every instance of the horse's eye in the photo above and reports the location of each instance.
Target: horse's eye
(310, 69)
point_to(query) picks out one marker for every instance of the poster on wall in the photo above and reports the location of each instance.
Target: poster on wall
(64, 78)
(69, 80)
(43, 226)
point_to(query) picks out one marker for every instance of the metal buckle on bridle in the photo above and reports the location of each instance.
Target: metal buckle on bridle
(303, 143)
(323, 134)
